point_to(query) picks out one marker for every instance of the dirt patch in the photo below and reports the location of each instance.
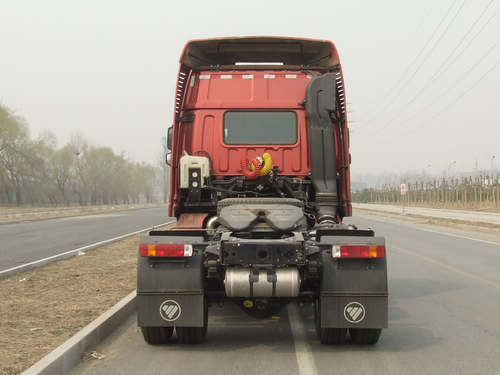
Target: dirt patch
(18, 214)
(42, 308)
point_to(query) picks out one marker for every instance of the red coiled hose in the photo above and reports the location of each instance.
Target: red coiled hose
(245, 166)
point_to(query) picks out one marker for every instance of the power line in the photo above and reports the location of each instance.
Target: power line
(434, 77)
(415, 59)
(455, 83)
(463, 93)
(429, 53)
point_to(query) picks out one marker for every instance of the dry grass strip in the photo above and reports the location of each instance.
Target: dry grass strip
(42, 308)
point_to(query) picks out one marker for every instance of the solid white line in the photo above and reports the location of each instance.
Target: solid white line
(303, 353)
(438, 232)
(458, 236)
(100, 243)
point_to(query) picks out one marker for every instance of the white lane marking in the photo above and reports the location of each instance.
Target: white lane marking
(100, 243)
(303, 353)
(438, 232)
(448, 267)
(458, 236)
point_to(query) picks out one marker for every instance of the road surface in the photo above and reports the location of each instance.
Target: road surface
(443, 315)
(29, 241)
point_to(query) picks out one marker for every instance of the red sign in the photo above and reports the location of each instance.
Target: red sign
(403, 189)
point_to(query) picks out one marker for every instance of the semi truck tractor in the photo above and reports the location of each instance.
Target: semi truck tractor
(259, 185)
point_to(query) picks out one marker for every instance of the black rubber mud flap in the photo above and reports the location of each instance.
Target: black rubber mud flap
(170, 292)
(353, 291)
(320, 109)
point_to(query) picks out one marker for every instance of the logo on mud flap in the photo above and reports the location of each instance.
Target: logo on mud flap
(354, 312)
(170, 310)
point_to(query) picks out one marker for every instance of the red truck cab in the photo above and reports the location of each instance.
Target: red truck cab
(224, 84)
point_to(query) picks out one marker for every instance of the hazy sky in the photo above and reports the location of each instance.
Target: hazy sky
(415, 70)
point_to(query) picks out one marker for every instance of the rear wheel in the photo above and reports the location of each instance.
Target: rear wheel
(365, 336)
(327, 335)
(157, 335)
(194, 335)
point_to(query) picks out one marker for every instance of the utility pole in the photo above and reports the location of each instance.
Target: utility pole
(492, 168)
(449, 167)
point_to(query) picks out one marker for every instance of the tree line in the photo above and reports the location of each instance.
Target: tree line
(36, 171)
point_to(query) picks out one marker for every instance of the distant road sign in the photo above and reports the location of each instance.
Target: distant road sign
(403, 189)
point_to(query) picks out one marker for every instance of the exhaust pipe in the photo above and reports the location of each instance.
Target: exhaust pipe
(320, 106)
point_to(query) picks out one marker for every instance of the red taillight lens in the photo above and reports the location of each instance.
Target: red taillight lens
(165, 250)
(358, 251)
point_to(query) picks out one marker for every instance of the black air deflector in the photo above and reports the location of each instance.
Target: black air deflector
(320, 109)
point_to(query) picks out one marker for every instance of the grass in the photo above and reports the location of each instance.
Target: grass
(42, 308)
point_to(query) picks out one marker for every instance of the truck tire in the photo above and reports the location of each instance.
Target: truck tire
(194, 335)
(365, 336)
(157, 335)
(327, 336)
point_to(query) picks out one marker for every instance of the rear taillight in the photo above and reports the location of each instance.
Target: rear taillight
(358, 251)
(165, 250)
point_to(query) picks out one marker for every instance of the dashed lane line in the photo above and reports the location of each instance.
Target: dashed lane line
(303, 353)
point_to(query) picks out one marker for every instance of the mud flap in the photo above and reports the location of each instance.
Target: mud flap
(170, 292)
(353, 311)
(353, 291)
(166, 310)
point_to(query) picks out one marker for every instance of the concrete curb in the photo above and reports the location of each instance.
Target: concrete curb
(62, 359)
(71, 253)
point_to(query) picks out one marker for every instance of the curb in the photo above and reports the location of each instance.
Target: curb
(62, 359)
(71, 253)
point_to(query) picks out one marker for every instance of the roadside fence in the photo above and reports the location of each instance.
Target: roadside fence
(481, 192)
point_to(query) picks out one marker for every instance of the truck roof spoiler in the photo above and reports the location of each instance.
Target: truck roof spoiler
(256, 51)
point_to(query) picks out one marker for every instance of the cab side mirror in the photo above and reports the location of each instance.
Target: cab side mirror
(169, 139)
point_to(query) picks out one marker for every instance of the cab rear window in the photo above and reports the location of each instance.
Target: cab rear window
(260, 127)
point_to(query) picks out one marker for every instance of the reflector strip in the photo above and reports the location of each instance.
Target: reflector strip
(226, 76)
(269, 76)
(247, 76)
(290, 75)
(165, 250)
(358, 251)
(206, 76)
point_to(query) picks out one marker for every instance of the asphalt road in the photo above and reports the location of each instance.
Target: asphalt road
(444, 319)
(33, 240)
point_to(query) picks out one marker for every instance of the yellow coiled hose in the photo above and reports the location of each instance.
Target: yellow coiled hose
(268, 164)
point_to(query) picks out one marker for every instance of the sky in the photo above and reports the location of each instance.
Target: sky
(422, 77)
